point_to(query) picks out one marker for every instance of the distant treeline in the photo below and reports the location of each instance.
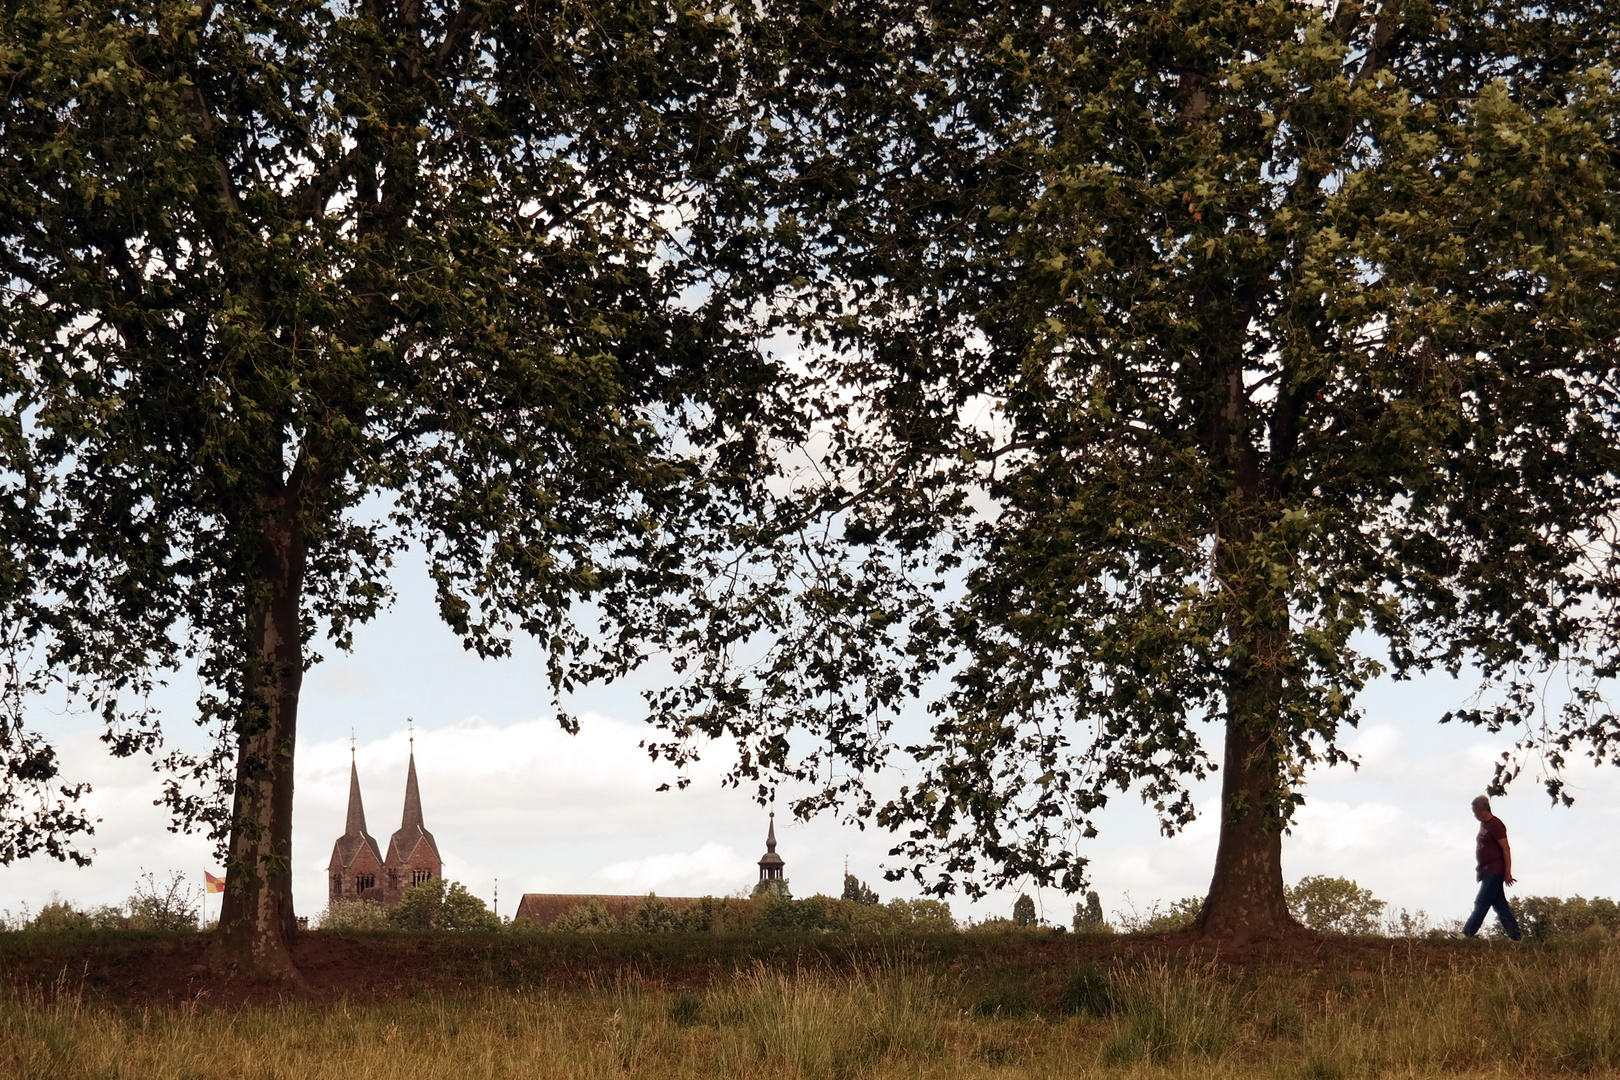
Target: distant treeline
(1329, 905)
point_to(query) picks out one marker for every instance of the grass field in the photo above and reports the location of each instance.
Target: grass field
(695, 1008)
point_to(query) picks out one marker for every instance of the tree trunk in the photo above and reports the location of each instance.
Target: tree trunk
(256, 922)
(1245, 901)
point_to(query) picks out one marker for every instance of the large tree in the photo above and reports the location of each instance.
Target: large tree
(1168, 370)
(289, 286)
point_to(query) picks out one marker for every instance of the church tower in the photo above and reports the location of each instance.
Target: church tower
(356, 869)
(770, 863)
(413, 857)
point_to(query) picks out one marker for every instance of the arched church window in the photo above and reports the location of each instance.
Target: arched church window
(419, 876)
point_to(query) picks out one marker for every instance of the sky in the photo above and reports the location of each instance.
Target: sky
(516, 803)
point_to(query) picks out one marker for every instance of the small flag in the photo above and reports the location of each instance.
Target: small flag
(214, 884)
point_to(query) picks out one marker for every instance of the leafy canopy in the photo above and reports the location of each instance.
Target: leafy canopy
(405, 269)
(1162, 365)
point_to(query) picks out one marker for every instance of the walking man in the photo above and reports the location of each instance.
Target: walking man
(1493, 863)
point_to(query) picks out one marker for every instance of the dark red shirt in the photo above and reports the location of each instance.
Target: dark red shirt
(1487, 850)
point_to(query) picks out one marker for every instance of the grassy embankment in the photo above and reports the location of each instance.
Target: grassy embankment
(689, 1007)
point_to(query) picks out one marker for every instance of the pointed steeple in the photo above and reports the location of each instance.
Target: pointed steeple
(412, 830)
(770, 864)
(413, 796)
(355, 824)
(354, 838)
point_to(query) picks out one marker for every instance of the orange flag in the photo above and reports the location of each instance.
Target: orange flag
(214, 884)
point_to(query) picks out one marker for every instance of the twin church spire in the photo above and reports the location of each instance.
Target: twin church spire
(359, 871)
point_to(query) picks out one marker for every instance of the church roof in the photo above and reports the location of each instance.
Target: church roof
(411, 831)
(771, 858)
(354, 838)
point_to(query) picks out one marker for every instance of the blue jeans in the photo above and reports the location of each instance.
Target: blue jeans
(1491, 896)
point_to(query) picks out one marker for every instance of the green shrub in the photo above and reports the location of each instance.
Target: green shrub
(1088, 917)
(588, 918)
(1006, 1001)
(714, 915)
(439, 905)
(778, 915)
(1090, 992)
(1335, 905)
(352, 915)
(1164, 1015)
(1180, 915)
(1548, 918)
(171, 906)
(997, 925)
(922, 916)
(652, 916)
(58, 916)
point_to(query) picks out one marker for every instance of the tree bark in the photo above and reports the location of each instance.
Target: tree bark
(1245, 901)
(257, 922)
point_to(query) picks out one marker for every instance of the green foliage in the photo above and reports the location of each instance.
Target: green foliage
(717, 915)
(1335, 905)
(1158, 360)
(588, 918)
(857, 890)
(1165, 1015)
(361, 915)
(653, 916)
(773, 887)
(1179, 915)
(439, 905)
(1006, 1001)
(1088, 917)
(58, 916)
(998, 925)
(1090, 992)
(1023, 912)
(171, 905)
(1548, 918)
(823, 913)
(1409, 924)
(922, 916)
(290, 287)
(779, 914)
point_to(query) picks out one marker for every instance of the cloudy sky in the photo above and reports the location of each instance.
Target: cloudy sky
(509, 796)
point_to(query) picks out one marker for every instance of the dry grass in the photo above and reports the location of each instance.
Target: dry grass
(1485, 1011)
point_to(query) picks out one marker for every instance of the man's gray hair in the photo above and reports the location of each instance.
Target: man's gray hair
(1481, 803)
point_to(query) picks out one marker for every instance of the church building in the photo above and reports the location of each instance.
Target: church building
(358, 870)
(545, 908)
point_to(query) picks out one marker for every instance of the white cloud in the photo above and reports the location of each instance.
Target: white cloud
(712, 866)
